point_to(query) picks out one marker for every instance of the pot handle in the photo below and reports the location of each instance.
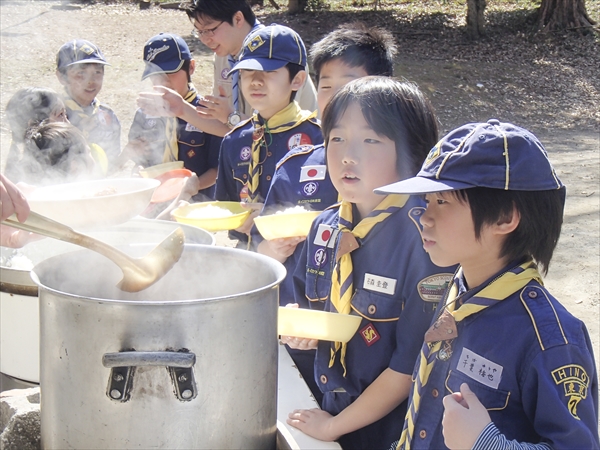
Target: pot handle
(136, 359)
(122, 367)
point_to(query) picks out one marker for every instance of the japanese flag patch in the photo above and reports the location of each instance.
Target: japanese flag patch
(326, 236)
(313, 173)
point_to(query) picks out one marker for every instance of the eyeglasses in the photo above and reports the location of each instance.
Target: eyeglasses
(209, 32)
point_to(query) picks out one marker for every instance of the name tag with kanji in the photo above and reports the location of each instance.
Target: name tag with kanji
(190, 127)
(479, 368)
(379, 284)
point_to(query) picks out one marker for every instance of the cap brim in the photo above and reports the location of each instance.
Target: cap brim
(262, 64)
(155, 69)
(88, 61)
(421, 185)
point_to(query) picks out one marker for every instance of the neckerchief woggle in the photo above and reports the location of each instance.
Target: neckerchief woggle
(288, 118)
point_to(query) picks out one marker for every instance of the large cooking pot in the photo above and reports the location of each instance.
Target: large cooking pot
(190, 362)
(19, 309)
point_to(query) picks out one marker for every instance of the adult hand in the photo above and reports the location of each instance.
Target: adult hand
(255, 209)
(164, 102)
(12, 200)
(314, 422)
(216, 107)
(464, 419)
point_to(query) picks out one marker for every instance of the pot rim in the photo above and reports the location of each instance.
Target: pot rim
(278, 269)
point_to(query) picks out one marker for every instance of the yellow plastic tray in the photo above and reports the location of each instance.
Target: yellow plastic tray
(312, 324)
(213, 224)
(276, 226)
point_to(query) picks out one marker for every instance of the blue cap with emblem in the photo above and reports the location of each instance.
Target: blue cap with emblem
(271, 48)
(493, 155)
(165, 53)
(78, 51)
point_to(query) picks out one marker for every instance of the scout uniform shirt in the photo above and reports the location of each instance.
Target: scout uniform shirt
(396, 290)
(527, 359)
(302, 128)
(99, 125)
(301, 179)
(199, 151)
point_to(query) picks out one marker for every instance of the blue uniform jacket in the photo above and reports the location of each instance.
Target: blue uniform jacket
(301, 179)
(199, 151)
(530, 363)
(397, 288)
(236, 154)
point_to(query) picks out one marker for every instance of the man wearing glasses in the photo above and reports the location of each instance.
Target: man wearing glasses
(222, 25)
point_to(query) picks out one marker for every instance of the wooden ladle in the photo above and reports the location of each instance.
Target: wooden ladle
(138, 273)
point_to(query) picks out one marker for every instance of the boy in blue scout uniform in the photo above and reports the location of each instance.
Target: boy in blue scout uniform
(365, 257)
(153, 140)
(504, 364)
(271, 71)
(351, 51)
(80, 69)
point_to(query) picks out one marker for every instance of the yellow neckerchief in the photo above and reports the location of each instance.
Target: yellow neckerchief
(78, 110)
(342, 287)
(497, 290)
(171, 152)
(288, 118)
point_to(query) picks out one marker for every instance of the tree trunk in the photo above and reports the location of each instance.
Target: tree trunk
(564, 15)
(297, 6)
(475, 18)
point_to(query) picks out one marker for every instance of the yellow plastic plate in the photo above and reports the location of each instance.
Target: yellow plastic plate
(283, 225)
(208, 219)
(312, 324)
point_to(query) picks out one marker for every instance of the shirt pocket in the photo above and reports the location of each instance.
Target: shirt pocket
(492, 399)
(376, 307)
(318, 284)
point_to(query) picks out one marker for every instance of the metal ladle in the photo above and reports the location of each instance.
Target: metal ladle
(138, 273)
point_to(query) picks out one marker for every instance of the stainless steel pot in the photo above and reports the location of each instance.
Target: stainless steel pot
(19, 310)
(191, 362)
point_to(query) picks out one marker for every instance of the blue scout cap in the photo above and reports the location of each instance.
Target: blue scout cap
(492, 155)
(165, 53)
(271, 48)
(79, 51)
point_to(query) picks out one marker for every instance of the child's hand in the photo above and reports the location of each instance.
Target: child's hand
(314, 422)
(215, 107)
(280, 249)
(164, 102)
(297, 342)
(464, 419)
(255, 209)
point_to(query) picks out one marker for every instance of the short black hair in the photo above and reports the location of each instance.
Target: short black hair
(293, 70)
(186, 66)
(356, 45)
(219, 10)
(539, 227)
(392, 108)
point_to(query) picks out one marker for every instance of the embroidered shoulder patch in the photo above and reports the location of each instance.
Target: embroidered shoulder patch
(575, 383)
(432, 288)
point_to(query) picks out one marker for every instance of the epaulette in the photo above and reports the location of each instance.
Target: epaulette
(299, 150)
(544, 317)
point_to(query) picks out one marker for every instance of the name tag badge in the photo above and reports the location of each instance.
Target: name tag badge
(190, 127)
(379, 284)
(313, 173)
(479, 368)
(326, 236)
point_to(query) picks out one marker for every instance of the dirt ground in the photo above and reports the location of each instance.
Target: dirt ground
(554, 96)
